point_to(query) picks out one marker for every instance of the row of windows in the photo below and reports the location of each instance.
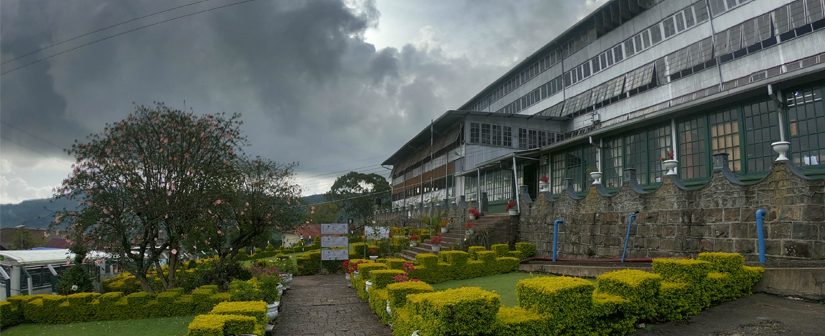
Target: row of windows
(497, 184)
(538, 94)
(745, 132)
(425, 186)
(491, 134)
(531, 138)
(670, 26)
(717, 7)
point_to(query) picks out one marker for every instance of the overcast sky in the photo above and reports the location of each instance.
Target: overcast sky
(335, 85)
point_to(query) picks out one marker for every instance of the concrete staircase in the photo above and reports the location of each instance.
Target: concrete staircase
(452, 240)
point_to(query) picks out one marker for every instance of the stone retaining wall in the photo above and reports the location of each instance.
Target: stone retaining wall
(675, 220)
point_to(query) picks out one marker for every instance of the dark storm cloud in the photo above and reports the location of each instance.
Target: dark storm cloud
(309, 87)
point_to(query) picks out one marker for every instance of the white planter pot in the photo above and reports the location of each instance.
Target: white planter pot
(544, 187)
(373, 258)
(670, 166)
(781, 148)
(367, 285)
(597, 177)
(443, 230)
(512, 212)
(347, 276)
(389, 311)
(472, 217)
(413, 244)
(436, 248)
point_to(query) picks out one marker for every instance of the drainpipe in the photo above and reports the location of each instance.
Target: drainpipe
(478, 190)
(630, 219)
(515, 183)
(760, 235)
(556, 224)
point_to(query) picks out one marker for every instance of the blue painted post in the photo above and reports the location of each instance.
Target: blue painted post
(556, 237)
(760, 235)
(630, 219)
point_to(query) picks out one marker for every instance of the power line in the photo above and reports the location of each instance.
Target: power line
(122, 33)
(100, 30)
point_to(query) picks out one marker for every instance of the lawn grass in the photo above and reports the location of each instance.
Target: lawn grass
(165, 326)
(503, 284)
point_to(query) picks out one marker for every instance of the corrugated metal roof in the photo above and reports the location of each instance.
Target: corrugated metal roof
(36, 256)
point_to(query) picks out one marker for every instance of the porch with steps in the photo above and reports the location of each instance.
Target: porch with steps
(455, 236)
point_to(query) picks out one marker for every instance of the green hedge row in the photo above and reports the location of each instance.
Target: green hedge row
(460, 265)
(81, 307)
(549, 305)
(231, 318)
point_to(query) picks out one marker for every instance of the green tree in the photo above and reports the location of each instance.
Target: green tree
(356, 194)
(263, 199)
(145, 182)
(323, 213)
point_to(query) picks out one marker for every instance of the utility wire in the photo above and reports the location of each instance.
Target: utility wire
(100, 30)
(122, 33)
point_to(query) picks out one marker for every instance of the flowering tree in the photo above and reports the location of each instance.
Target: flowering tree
(145, 182)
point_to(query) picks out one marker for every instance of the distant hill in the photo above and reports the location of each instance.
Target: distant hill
(34, 214)
(38, 213)
(313, 199)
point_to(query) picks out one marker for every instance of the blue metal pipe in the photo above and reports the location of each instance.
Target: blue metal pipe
(630, 219)
(556, 224)
(760, 235)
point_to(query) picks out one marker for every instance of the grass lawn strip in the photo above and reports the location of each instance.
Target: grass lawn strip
(165, 326)
(503, 284)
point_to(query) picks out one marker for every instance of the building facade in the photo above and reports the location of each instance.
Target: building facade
(637, 82)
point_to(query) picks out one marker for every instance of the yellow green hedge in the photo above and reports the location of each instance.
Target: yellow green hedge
(522, 322)
(256, 309)
(639, 287)
(458, 311)
(382, 277)
(220, 325)
(398, 291)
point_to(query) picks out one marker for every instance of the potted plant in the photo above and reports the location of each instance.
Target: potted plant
(544, 183)
(444, 225)
(781, 148)
(512, 207)
(435, 242)
(373, 252)
(669, 163)
(469, 226)
(474, 213)
(414, 239)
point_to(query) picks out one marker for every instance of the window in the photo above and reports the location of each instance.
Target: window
(635, 155)
(474, 133)
(761, 129)
(680, 21)
(655, 34)
(522, 138)
(532, 139)
(670, 29)
(692, 150)
(617, 52)
(507, 140)
(496, 135)
(612, 165)
(724, 136)
(41, 277)
(659, 141)
(806, 118)
(557, 173)
(485, 134)
(689, 21)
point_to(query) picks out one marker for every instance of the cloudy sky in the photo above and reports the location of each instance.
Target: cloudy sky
(335, 85)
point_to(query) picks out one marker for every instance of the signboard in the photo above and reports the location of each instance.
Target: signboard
(334, 241)
(334, 254)
(334, 229)
(376, 232)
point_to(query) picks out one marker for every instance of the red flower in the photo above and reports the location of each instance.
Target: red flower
(511, 204)
(408, 267)
(470, 225)
(474, 212)
(435, 240)
(545, 179)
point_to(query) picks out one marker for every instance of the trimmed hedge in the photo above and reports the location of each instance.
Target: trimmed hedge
(397, 292)
(256, 309)
(527, 249)
(475, 249)
(378, 303)
(500, 249)
(220, 325)
(567, 299)
(457, 311)
(383, 277)
(10, 314)
(639, 287)
(520, 321)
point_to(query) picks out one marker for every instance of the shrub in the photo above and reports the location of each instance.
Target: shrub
(268, 288)
(256, 309)
(608, 316)
(520, 321)
(568, 300)
(10, 314)
(359, 249)
(426, 259)
(397, 292)
(74, 280)
(395, 263)
(675, 301)
(382, 277)
(500, 249)
(684, 270)
(241, 290)
(378, 304)
(474, 307)
(723, 262)
(365, 269)
(506, 264)
(219, 325)
(475, 249)
(515, 254)
(639, 287)
(527, 249)
(488, 257)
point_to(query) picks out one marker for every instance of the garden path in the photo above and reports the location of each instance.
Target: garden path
(322, 305)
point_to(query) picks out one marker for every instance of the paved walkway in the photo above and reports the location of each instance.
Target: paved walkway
(323, 305)
(755, 315)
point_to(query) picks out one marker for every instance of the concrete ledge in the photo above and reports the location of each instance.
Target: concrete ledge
(803, 282)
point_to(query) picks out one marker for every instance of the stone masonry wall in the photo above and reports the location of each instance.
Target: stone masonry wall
(677, 221)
